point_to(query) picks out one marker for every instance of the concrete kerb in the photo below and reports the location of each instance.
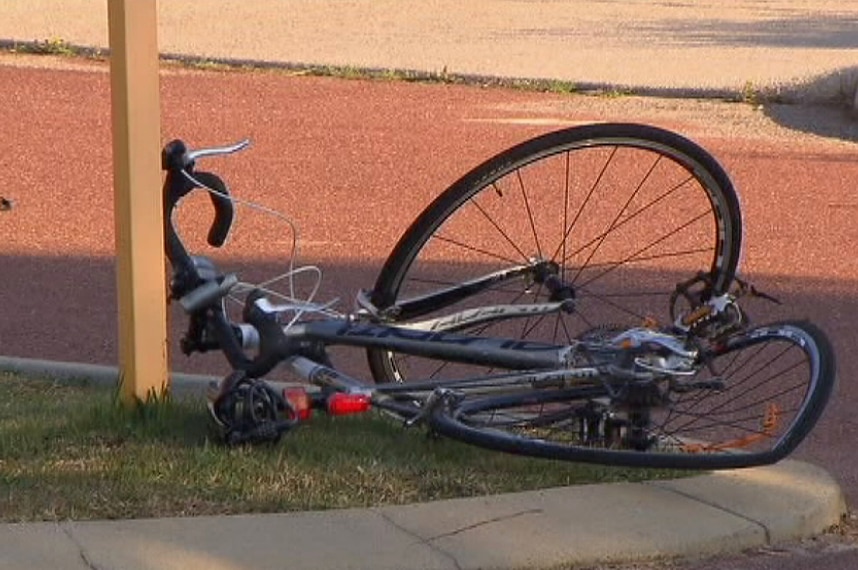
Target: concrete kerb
(181, 384)
(839, 88)
(687, 517)
(712, 513)
(193, 61)
(563, 526)
(100, 375)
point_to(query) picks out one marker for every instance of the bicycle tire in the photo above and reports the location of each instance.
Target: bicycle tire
(765, 409)
(461, 233)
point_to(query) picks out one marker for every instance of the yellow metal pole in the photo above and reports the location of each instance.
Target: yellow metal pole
(136, 116)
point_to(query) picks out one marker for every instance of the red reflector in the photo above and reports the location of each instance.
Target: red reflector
(300, 402)
(341, 404)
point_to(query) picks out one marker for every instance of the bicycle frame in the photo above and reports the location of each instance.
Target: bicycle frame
(201, 292)
(545, 364)
(645, 395)
(499, 352)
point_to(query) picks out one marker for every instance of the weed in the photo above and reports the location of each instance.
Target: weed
(750, 94)
(52, 46)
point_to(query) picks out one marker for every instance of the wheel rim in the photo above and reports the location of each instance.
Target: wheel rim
(611, 214)
(764, 400)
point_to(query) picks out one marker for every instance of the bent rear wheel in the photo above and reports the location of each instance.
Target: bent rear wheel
(617, 213)
(752, 402)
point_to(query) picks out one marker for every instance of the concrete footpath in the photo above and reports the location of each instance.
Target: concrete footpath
(710, 514)
(802, 49)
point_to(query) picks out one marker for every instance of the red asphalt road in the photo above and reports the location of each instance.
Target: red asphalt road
(352, 163)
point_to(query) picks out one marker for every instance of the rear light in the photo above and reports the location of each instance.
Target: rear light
(342, 404)
(300, 402)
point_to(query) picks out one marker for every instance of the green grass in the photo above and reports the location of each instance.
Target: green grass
(71, 452)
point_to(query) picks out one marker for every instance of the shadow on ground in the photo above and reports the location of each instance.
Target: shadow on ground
(41, 319)
(826, 106)
(820, 32)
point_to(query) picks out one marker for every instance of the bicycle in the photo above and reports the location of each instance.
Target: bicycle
(554, 378)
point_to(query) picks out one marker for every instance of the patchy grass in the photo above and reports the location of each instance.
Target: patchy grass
(69, 451)
(52, 46)
(60, 47)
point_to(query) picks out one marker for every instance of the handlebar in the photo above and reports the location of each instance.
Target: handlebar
(218, 150)
(194, 283)
(179, 162)
(176, 155)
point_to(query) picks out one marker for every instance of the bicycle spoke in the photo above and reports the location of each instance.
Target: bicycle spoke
(623, 295)
(668, 255)
(503, 234)
(703, 396)
(588, 322)
(743, 393)
(529, 213)
(604, 299)
(478, 250)
(565, 218)
(617, 217)
(586, 200)
(638, 252)
(631, 217)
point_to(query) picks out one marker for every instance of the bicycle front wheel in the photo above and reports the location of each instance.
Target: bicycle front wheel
(754, 400)
(619, 214)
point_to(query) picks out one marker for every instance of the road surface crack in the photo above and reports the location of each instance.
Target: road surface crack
(484, 523)
(80, 549)
(423, 541)
(766, 532)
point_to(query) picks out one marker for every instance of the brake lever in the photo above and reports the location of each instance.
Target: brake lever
(208, 293)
